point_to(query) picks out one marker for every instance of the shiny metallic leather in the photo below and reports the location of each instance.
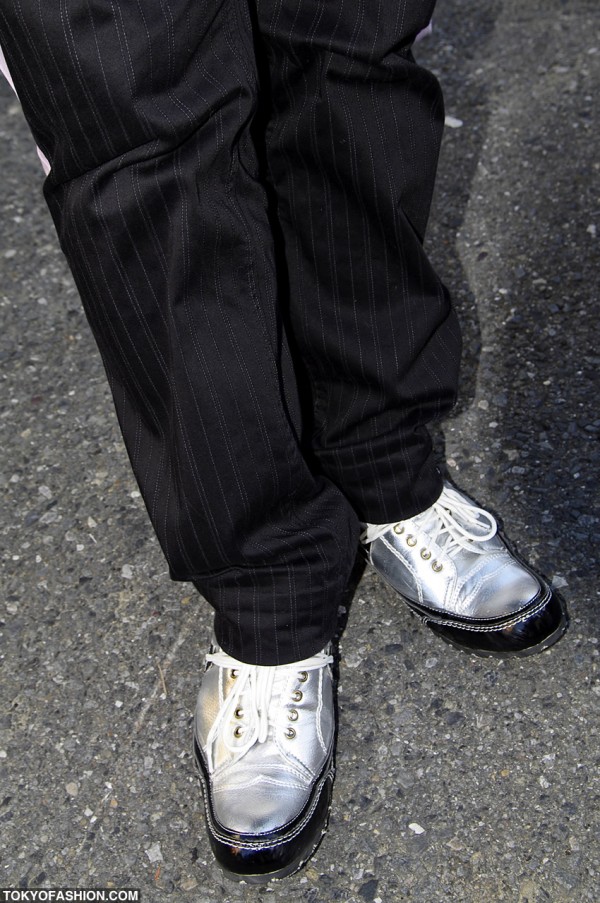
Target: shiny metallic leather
(486, 600)
(266, 803)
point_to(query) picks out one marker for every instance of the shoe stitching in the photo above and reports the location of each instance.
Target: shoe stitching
(505, 561)
(284, 749)
(262, 779)
(413, 572)
(301, 774)
(318, 713)
(328, 774)
(292, 764)
(480, 580)
(521, 616)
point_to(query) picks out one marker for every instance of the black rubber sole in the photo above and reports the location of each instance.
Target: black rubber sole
(518, 640)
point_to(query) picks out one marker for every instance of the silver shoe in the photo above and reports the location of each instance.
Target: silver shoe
(264, 744)
(453, 570)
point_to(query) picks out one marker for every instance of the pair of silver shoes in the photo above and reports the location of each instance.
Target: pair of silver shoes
(264, 736)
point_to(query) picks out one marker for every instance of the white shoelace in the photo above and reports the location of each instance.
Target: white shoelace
(449, 523)
(255, 684)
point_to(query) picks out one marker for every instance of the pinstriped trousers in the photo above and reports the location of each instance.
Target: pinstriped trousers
(241, 191)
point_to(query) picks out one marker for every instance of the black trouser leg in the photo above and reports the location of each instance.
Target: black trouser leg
(353, 142)
(143, 111)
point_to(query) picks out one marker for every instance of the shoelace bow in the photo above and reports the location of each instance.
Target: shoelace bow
(252, 690)
(449, 523)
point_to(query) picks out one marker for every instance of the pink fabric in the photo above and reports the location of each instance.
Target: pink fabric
(425, 33)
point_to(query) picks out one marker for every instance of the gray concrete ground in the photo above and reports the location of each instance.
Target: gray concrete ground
(496, 762)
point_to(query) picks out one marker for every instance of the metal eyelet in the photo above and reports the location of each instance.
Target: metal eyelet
(239, 730)
(303, 677)
(234, 673)
(410, 540)
(239, 713)
(292, 715)
(398, 529)
(437, 567)
(297, 695)
(425, 554)
(290, 733)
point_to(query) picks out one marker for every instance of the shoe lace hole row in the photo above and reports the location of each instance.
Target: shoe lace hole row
(425, 553)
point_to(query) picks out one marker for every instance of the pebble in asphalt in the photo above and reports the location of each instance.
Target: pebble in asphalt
(459, 778)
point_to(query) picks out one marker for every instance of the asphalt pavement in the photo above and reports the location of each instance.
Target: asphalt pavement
(459, 778)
